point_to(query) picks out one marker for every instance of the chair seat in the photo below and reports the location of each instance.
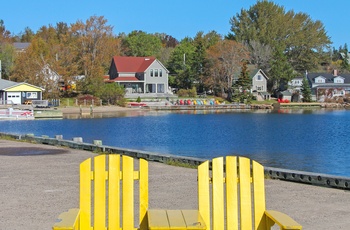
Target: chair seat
(175, 219)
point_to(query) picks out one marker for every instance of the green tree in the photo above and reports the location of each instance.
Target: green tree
(244, 81)
(203, 42)
(281, 71)
(305, 90)
(112, 94)
(5, 35)
(181, 64)
(188, 60)
(141, 44)
(7, 57)
(344, 56)
(27, 35)
(243, 85)
(301, 39)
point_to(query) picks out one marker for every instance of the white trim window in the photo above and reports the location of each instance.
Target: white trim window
(320, 80)
(160, 88)
(32, 95)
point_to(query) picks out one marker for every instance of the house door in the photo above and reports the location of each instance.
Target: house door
(15, 97)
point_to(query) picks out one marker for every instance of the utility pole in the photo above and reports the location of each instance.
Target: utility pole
(0, 69)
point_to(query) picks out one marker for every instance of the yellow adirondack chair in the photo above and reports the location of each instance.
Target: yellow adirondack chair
(236, 198)
(110, 185)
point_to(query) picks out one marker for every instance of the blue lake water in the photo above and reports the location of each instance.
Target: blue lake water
(314, 141)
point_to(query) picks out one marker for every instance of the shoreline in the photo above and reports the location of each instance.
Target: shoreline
(312, 178)
(97, 109)
(155, 107)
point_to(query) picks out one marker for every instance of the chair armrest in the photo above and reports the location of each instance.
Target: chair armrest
(68, 220)
(283, 220)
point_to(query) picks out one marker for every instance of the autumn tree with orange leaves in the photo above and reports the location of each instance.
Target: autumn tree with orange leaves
(82, 49)
(225, 59)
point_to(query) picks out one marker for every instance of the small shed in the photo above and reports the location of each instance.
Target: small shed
(18, 92)
(284, 95)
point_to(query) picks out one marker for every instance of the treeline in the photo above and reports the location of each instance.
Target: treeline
(282, 43)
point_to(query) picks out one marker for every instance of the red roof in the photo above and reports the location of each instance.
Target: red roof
(132, 64)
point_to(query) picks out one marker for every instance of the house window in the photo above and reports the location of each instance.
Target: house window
(160, 73)
(150, 88)
(339, 81)
(259, 77)
(32, 95)
(160, 88)
(156, 72)
(151, 73)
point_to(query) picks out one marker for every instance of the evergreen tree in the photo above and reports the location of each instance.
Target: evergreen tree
(243, 85)
(345, 58)
(306, 90)
(244, 81)
(281, 71)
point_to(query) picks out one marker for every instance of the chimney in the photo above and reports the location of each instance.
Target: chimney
(335, 72)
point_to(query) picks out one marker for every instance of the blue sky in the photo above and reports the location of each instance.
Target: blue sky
(178, 18)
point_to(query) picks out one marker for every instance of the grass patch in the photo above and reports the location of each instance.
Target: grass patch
(263, 102)
(12, 138)
(8, 138)
(67, 102)
(180, 164)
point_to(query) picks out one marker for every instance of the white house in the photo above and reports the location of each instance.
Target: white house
(140, 75)
(329, 85)
(259, 84)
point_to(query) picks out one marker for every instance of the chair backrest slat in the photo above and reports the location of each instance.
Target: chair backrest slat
(218, 192)
(109, 189)
(259, 195)
(143, 193)
(85, 194)
(114, 192)
(231, 193)
(204, 192)
(238, 185)
(245, 193)
(128, 193)
(99, 193)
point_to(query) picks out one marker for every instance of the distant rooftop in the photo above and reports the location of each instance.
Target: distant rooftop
(21, 45)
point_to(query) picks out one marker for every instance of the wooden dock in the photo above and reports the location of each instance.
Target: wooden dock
(16, 114)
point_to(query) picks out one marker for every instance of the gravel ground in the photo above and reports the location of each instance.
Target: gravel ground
(38, 182)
